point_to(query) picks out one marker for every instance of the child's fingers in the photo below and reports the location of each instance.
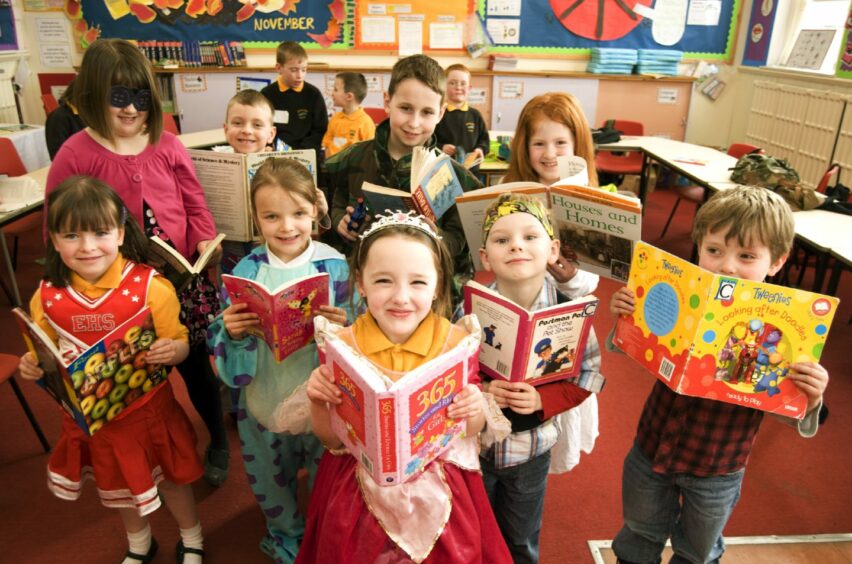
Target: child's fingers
(235, 307)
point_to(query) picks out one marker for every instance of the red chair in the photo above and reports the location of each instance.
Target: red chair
(49, 103)
(695, 194)
(169, 124)
(8, 368)
(833, 169)
(378, 114)
(621, 163)
(11, 165)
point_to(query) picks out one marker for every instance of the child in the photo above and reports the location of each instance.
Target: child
(301, 117)
(519, 244)
(696, 449)
(125, 146)
(462, 126)
(414, 102)
(62, 123)
(248, 122)
(442, 515)
(94, 265)
(352, 123)
(272, 421)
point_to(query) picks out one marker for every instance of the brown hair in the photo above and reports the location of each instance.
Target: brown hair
(289, 50)
(354, 83)
(456, 67)
(751, 214)
(83, 203)
(115, 62)
(251, 98)
(443, 263)
(561, 108)
(288, 174)
(422, 68)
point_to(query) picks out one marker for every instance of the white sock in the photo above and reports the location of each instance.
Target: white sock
(192, 538)
(140, 543)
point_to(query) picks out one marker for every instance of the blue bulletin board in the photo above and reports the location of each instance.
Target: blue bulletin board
(8, 36)
(703, 29)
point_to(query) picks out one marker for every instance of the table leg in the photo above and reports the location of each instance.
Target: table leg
(643, 180)
(819, 270)
(834, 280)
(16, 296)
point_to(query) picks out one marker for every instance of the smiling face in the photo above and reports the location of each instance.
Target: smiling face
(285, 220)
(752, 261)
(249, 129)
(293, 72)
(549, 139)
(458, 87)
(414, 111)
(88, 253)
(399, 293)
(127, 122)
(518, 249)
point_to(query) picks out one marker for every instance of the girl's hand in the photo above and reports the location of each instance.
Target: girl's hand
(623, 302)
(467, 404)
(811, 378)
(520, 397)
(217, 254)
(322, 204)
(449, 149)
(321, 387)
(237, 324)
(29, 368)
(167, 351)
(334, 314)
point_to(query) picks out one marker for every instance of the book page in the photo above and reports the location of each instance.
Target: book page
(223, 178)
(500, 326)
(305, 157)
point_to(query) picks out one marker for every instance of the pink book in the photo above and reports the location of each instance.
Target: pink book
(286, 312)
(394, 429)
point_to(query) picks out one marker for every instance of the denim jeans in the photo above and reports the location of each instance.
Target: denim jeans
(692, 510)
(517, 498)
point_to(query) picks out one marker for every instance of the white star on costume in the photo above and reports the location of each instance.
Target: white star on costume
(125, 292)
(57, 297)
(49, 303)
(137, 279)
(135, 299)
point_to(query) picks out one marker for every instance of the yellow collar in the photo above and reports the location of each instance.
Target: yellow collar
(463, 107)
(284, 88)
(371, 340)
(109, 280)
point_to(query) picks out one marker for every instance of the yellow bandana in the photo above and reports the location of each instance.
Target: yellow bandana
(534, 208)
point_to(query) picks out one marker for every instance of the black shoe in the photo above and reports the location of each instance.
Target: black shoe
(181, 550)
(147, 557)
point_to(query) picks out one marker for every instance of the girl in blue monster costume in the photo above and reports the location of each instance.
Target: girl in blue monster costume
(274, 415)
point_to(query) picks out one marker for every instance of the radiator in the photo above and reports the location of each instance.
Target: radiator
(801, 125)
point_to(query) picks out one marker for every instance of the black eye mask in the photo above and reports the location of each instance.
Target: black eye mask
(122, 96)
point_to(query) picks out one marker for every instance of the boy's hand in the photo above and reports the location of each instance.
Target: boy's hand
(449, 149)
(237, 324)
(623, 302)
(334, 314)
(563, 269)
(215, 257)
(343, 226)
(165, 351)
(467, 404)
(520, 397)
(479, 153)
(321, 387)
(29, 367)
(322, 204)
(811, 378)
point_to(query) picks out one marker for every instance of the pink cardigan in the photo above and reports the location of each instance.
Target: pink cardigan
(162, 175)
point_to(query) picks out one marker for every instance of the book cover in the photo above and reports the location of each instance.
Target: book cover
(536, 347)
(95, 387)
(286, 312)
(226, 179)
(719, 337)
(597, 229)
(434, 187)
(394, 429)
(174, 267)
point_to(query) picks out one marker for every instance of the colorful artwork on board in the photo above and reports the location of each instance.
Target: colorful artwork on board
(759, 35)
(844, 60)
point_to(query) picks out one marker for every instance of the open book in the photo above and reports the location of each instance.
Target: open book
(722, 338)
(434, 187)
(394, 429)
(174, 267)
(286, 312)
(535, 347)
(596, 229)
(226, 179)
(96, 386)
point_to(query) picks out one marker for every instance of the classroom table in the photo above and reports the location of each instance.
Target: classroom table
(827, 234)
(30, 144)
(842, 261)
(202, 139)
(493, 170)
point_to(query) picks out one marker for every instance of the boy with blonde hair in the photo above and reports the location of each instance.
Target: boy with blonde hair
(682, 478)
(351, 124)
(300, 113)
(462, 127)
(248, 122)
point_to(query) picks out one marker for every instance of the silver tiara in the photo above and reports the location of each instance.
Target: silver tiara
(398, 218)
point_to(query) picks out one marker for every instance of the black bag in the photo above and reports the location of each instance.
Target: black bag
(837, 199)
(606, 134)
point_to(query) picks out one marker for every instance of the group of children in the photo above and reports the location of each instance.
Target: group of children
(393, 285)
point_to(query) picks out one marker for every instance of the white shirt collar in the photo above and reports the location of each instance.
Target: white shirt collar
(300, 260)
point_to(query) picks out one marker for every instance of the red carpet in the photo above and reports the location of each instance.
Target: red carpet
(792, 486)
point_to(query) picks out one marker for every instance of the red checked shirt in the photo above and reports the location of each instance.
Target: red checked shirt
(682, 434)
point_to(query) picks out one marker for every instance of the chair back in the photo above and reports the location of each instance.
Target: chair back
(49, 103)
(10, 162)
(737, 150)
(378, 114)
(628, 127)
(169, 124)
(826, 177)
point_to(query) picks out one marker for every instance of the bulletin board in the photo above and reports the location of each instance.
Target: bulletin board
(378, 24)
(8, 36)
(844, 61)
(703, 29)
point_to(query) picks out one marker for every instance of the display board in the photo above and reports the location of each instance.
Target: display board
(703, 29)
(414, 26)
